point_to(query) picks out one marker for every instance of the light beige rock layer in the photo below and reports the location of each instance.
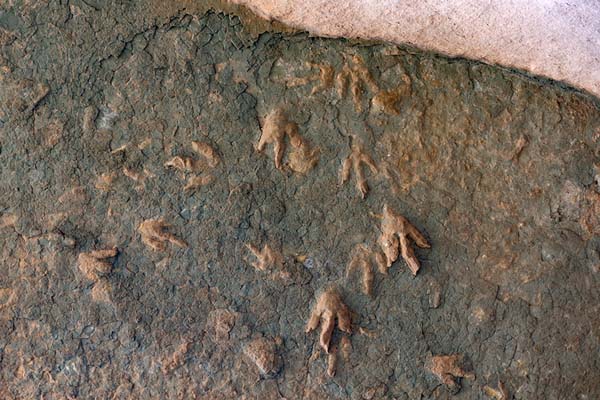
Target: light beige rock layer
(558, 39)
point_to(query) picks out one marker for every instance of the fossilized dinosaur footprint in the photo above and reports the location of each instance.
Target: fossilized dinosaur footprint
(329, 307)
(354, 161)
(155, 234)
(449, 368)
(396, 234)
(276, 127)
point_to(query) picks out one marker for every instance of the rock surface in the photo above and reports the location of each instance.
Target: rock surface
(552, 38)
(498, 172)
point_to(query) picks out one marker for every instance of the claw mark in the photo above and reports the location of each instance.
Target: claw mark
(95, 264)
(361, 259)
(144, 143)
(448, 369)
(354, 161)
(346, 348)
(381, 262)
(332, 362)
(341, 80)
(329, 307)
(155, 235)
(394, 227)
(122, 148)
(131, 174)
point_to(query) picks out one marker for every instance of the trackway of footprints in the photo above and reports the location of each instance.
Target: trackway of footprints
(397, 239)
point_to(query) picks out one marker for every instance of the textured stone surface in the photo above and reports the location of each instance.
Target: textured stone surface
(498, 172)
(553, 38)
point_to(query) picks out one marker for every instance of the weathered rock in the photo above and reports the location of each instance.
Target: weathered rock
(511, 221)
(263, 353)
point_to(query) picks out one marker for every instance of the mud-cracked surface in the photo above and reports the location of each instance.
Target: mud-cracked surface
(500, 173)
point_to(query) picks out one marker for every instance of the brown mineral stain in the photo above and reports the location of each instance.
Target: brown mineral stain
(51, 132)
(39, 93)
(6, 297)
(76, 195)
(435, 294)
(375, 392)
